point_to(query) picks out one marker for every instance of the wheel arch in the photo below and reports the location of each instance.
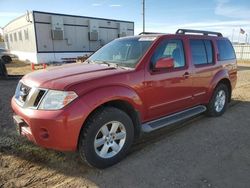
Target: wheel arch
(123, 106)
(224, 81)
(222, 77)
(118, 97)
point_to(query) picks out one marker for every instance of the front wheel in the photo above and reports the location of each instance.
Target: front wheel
(106, 137)
(219, 101)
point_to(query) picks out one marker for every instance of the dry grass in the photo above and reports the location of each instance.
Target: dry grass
(20, 68)
(243, 62)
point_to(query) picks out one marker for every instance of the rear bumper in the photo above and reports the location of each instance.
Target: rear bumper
(57, 129)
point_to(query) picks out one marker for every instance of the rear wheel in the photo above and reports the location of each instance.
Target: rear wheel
(219, 101)
(106, 137)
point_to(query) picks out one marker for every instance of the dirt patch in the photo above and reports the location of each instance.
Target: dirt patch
(243, 62)
(204, 152)
(18, 68)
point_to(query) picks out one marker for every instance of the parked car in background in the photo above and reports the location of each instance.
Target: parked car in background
(6, 56)
(131, 85)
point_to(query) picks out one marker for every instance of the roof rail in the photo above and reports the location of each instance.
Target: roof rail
(184, 31)
(149, 33)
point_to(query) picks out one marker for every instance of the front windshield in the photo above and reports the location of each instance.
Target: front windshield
(123, 52)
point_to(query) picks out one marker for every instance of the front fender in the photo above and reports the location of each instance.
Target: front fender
(100, 96)
(95, 98)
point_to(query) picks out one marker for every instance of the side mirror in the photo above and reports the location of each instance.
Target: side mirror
(165, 63)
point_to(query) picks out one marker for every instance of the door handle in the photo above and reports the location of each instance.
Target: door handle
(186, 75)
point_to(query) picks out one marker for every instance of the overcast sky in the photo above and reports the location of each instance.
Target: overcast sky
(225, 16)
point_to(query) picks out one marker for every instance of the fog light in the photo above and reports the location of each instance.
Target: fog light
(44, 134)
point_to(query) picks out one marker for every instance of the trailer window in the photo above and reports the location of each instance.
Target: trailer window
(26, 34)
(20, 35)
(15, 37)
(11, 38)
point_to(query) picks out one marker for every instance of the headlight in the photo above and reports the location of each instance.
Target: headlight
(55, 100)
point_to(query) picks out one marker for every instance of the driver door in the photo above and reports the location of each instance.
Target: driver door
(168, 90)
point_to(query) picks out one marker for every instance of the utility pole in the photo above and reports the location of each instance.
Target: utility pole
(143, 15)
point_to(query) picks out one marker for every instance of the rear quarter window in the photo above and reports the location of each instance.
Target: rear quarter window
(226, 51)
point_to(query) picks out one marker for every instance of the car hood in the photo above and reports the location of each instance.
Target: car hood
(59, 78)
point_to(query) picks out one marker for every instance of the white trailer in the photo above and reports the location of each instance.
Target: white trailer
(43, 37)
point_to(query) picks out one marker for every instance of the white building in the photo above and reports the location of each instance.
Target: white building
(42, 37)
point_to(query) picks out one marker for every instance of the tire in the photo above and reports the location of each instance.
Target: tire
(6, 59)
(218, 104)
(3, 70)
(94, 151)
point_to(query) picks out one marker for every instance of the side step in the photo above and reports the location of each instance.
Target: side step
(172, 119)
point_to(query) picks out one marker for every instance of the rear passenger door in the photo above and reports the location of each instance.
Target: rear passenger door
(202, 58)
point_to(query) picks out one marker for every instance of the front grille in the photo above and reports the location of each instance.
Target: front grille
(28, 97)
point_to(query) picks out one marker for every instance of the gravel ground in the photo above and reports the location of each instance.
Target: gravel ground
(203, 152)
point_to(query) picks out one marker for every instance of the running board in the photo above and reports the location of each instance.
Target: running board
(172, 119)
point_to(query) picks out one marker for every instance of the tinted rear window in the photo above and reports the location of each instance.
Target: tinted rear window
(202, 51)
(226, 51)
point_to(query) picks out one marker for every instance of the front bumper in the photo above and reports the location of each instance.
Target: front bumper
(57, 129)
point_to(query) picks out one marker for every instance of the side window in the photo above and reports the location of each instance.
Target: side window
(202, 52)
(226, 51)
(172, 49)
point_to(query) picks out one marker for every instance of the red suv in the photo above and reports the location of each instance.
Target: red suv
(131, 85)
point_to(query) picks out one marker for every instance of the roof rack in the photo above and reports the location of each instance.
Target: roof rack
(149, 33)
(184, 31)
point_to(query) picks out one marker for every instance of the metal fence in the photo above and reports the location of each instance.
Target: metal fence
(242, 51)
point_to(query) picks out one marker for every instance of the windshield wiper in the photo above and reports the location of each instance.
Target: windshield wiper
(114, 65)
(102, 62)
(107, 63)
